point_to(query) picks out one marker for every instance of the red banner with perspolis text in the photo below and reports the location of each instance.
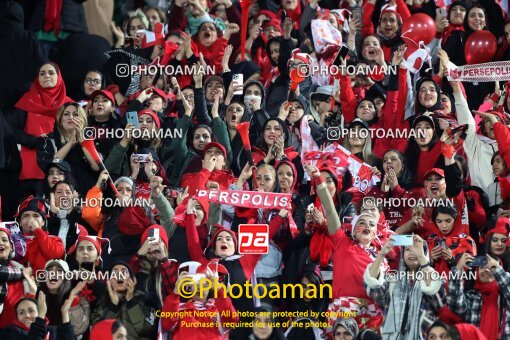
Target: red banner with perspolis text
(254, 200)
(487, 72)
(248, 199)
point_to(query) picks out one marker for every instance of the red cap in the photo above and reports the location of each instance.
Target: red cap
(436, 171)
(162, 234)
(502, 227)
(267, 13)
(217, 145)
(500, 115)
(217, 232)
(105, 93)
(95, 240)
(274, 23)
(153, 115)
(160, 93)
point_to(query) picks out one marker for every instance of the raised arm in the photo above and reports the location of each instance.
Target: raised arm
(326, 200)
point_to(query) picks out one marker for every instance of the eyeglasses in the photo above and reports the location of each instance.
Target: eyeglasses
(189, 96)
(93, 81)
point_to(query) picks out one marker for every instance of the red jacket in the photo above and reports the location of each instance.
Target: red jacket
(393, 119)
(197, 181)
(427, 160)
(15, 290)
(198, 321)
(42, 247)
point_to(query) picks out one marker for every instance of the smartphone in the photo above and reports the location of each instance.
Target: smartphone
(238, 78)
(479, 261)
(440, 12)
(402, 240)
(462, 128)
(309, 209)
(153, 235)
(443, 244)
(88, 266)
(141, 157)
(357, 13)
(344, 50)
(283, 15)
(132, 118)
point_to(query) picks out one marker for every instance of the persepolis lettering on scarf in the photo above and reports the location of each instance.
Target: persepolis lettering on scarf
(248, 199)
(487, 72)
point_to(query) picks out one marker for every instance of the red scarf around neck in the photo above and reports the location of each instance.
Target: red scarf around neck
(489, 321)
(450, 29)
(44, 101)
(52, 16)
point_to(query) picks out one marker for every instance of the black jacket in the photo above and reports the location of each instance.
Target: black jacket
(21, 56)
(37, 331)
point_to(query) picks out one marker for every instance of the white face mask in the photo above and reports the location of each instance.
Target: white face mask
(248, 99)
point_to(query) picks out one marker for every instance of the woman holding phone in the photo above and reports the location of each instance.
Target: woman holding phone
(418, 299)
(483, 303)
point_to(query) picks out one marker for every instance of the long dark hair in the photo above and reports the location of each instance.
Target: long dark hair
(55, 301)
(262, 143)
(192, 134)
(413, 152)
(468, 29)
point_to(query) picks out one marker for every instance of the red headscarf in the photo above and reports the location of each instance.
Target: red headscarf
(489, 322)
(45, 101)
(102, 330)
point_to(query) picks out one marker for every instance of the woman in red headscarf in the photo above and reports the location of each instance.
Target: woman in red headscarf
(108, 330)
(483, 304)
(35, 117)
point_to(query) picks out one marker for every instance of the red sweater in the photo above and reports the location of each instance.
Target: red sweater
(349, 263)
(427, 160)
(42, 247)
(198, 180)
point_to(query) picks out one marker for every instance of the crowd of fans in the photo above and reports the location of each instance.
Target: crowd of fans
(82, 193)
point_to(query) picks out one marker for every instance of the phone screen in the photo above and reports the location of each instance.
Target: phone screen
(344, 50)
(402, 240)
(283, 15)
(132, 118)
(479, 261)
(89, 266)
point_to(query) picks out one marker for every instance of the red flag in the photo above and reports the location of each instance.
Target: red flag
(88, 144)
(245, 8)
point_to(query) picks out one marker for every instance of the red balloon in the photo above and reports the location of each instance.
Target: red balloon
(480, 47)
(423, 28)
